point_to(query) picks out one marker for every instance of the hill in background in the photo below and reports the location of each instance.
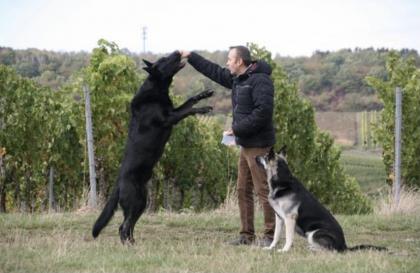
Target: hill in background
(332, 81)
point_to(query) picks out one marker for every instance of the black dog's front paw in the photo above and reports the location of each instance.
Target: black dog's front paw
(205, 94)
(203, 110)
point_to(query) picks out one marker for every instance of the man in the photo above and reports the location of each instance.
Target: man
(252, 126)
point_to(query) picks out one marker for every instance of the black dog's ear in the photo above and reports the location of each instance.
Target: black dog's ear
(148, 69)
(149, 66)
(146, 62)
(271, 155)
(282, 151)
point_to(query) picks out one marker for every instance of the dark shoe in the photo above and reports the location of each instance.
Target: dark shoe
(264, 242)
(242, 240)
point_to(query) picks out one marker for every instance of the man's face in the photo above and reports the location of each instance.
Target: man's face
(234, 63)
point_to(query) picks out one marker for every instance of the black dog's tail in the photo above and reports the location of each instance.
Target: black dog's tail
(367, 247)
(107, 212)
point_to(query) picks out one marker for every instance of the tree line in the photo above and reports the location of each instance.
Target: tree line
(332, 81)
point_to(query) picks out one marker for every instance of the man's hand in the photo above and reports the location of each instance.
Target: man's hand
(184, 53)
(228, 132)
(228, 138)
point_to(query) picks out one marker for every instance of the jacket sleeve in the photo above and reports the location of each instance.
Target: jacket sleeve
(262, 114)
(211, 70)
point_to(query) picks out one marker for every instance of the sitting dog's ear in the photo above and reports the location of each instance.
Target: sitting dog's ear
(271, 154)
(148, 68)
(282, 151)
(261, 161)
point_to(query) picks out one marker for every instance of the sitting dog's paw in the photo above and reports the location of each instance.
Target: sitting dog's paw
(284, 249)
(268, 248)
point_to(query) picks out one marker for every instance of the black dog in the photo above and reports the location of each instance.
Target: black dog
(152, 118)
(299, 210)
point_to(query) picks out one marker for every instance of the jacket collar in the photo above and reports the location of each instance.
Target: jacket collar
(247, 72)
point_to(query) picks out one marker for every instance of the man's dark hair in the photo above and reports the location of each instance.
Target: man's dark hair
(243, 53)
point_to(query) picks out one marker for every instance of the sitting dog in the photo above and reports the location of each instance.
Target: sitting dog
(299, 210)
(152, 118)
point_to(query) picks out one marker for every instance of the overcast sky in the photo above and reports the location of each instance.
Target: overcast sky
(293, 28)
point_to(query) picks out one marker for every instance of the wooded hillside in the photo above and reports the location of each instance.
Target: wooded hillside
(333, 81)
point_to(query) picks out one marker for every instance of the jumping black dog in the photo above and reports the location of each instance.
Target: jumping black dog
(152, 118)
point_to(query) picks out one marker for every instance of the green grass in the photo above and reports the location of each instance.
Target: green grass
(367, 168)
(188, 242)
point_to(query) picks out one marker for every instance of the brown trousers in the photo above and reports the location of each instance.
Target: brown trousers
(253, 177)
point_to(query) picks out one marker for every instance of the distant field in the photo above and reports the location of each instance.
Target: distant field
(341, 125)
(366, 166)
(349, 128)
(368, 169)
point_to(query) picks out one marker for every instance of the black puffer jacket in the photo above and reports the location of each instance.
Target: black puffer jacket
(252, 100)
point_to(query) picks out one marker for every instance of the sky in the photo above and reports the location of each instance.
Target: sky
(285, 27)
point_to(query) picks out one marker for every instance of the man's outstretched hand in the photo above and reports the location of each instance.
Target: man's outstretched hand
(184, 54)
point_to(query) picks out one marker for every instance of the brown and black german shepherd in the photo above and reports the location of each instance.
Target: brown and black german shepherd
(299, 210)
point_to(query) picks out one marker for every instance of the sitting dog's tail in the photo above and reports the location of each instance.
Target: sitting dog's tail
(366, 247)
(107, 212)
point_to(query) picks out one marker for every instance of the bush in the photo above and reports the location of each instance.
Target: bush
(403, 73)
(312, 155)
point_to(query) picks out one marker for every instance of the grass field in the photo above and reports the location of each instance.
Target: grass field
(195, 242)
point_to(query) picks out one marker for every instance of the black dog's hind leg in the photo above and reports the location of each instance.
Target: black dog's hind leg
(125, 230)
(130, 220)
(133, 205)
(186, 109)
